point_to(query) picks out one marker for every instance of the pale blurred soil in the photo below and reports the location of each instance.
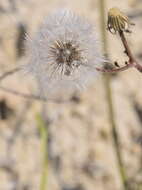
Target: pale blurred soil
(81, 151)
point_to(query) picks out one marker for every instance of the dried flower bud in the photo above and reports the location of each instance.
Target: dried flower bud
(64, 53)
(118, 21)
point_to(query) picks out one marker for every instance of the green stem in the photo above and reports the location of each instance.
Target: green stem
(107, 80)
(44, 138)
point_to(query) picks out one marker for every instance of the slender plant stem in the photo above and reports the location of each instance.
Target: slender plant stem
(23, 95)
(44, 150)
(32, 96)
(7, 73)
(132, 60)
(124, 68)
(107, 85)
(131, 63)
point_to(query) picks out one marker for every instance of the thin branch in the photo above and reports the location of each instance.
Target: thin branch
(7, 73)
(129, 53)
(32, 96)
(23, 95)
(131, 63)
(114, 70)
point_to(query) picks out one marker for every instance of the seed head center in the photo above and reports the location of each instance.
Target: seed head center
(66, 53)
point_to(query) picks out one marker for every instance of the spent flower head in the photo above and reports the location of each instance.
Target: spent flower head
(118, 21)
(64, 53)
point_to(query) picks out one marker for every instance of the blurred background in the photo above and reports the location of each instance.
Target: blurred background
(69, 146)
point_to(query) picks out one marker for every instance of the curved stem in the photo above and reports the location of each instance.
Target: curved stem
(131, 63)
(128, 52)
(23, 95)
(7, 73)
(32, 96)
(124, 68)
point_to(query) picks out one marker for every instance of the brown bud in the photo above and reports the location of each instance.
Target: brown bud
(118, 21)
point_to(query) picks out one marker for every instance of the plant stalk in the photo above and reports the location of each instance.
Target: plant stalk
(107, 84)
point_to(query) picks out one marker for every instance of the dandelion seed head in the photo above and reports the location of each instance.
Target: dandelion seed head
(64, 53)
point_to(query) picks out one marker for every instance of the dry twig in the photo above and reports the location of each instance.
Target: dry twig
(119, 23)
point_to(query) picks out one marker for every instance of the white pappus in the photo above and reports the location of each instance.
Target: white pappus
(64, 52)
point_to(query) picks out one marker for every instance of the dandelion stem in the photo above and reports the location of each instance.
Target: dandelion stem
(44, 139)
(131, 63)
(107, 80)
(128, 52)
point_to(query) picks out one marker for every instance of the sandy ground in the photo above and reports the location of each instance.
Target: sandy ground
(81, 151)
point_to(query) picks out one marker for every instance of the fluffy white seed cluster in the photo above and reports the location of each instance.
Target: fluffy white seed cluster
(64, 53)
